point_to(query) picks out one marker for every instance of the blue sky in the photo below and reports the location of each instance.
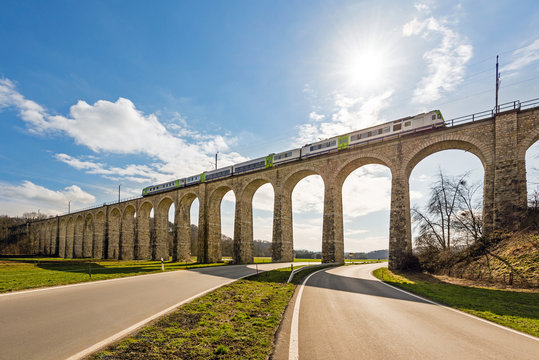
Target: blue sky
(96, 94)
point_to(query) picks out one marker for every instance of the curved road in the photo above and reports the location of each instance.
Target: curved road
(61, 322)
(346, 313)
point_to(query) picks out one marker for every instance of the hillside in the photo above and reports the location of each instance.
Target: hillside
(506, 259)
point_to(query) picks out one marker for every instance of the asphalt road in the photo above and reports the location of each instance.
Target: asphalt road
(57, 323)
(346, 313)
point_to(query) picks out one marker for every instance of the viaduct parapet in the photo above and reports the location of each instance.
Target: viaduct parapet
(126, 231)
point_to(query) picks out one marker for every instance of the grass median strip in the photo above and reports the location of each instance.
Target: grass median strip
(518, 310)
(237, 321)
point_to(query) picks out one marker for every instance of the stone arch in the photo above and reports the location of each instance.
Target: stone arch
(62, 232)
(48, 236)
(127, 234)
(160, 247)
(99, 236)
(42, 234)
(70, 238)
(54, 237)
(113, 245)
(182, 241)
(458, 142)
(143, 250)
(79, 236)
(342, 173)
(211, 250)
(531, 138)
(283, 229)
(243, 222)
(88, 237)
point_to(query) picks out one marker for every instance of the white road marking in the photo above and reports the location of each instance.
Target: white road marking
(293, 350)
(458, 311)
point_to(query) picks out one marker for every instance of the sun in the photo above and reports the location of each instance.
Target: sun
(365, 68)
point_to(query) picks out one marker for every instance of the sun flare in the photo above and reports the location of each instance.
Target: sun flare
(365, 68)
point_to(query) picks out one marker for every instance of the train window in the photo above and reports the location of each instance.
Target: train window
(397, 127)
(439, 116)
(333, 143)
(386, 129)
(408, 123)
(379, 131)
(433, 117)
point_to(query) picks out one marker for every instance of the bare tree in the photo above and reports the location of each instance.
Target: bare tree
(452, 215)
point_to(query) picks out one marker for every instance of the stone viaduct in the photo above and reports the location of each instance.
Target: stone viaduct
(125, 230)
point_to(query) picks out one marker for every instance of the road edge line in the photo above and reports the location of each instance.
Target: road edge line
(293, 347)
(458, 311)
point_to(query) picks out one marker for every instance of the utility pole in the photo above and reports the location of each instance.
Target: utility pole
(69, 207)
(119, 186)
(497, 85)
(216, 159)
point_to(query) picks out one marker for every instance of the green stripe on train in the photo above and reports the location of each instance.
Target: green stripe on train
(342, 142)
(269, 161)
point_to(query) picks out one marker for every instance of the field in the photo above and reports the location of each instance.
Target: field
(517, 309)
(21, 273)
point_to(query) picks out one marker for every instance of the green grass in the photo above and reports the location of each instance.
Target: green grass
(515, 309)
(34, 272)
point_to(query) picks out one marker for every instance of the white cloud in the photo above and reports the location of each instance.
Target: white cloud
(422, 8)
(445, 63)
(28, 195)
(120, 128)
(308, 196)
(523, 57)
(348, 114)
(366, 191)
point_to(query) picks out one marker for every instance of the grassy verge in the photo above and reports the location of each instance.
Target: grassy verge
(515, 309)
(27, 273)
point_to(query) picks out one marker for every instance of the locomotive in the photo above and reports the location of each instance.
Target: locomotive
(417, 123)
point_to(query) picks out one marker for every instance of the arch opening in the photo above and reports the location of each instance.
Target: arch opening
(366, 194)
(113, 245)
(307, 205)
(262, 207)
(62, 238)
(532, 182)
(145, 233)
(79, 237)
(99, 236)
(127, 237)
(88, 237)
(160, 248)
(447, 205)
(70, 238)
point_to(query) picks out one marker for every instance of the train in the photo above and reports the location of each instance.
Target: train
(417, 123)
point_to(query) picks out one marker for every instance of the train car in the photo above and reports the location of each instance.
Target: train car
(253, 165)
(286, 156)
(218, 174)
(191, 180)
(405, 125)
(320, 147)
(154, 189)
